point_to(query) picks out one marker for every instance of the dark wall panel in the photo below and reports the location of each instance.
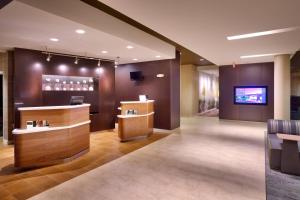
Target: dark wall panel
(29, 65)
(258, 74)
(175, 91)
(165, 91)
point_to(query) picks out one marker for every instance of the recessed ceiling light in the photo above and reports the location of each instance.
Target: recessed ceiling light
(257, 34)
(158, 56)
(54, 39)
(129, 47)
(259, 55)
(80, 31)
(104, 51)
(135, 59)
(201, 59)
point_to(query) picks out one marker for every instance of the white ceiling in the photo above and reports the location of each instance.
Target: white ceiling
(203, 25)
(30, 24)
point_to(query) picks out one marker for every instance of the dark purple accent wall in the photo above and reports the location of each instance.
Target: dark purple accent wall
(165, 91)
(4, 3)
(29, 65)
(257, 74)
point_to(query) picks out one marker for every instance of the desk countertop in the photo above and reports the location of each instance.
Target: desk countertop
(54, 107)
(148, 101)
(132, 116)
(44, 129)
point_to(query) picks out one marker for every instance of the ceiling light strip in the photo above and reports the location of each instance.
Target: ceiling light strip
(259, 55)
(74, 56)
(263, 33)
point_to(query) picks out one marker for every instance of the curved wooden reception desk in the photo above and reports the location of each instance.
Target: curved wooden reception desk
(139, 124)
(66, 138)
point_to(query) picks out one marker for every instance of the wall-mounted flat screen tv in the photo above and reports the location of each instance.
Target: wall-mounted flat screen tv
(136, 76)
(252, 95)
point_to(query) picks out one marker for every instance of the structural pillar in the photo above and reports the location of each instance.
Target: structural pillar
(282, 87)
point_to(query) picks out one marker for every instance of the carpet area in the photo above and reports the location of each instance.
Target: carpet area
(280, 186)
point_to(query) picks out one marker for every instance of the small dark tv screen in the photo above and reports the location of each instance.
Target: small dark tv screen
(253, 95)
(136, 76)
(76, 100)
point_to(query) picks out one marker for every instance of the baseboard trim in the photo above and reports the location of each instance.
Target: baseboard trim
(7, 142)
(158, 130)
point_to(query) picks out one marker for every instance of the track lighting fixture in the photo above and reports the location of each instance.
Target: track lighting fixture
(48, 57)
(117, 62)
(76, 60)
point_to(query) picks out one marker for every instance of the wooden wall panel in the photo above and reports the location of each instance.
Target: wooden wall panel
(165, 91)
(29, 65)
(257, 74)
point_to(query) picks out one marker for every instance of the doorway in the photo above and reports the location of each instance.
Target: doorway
(1, 105)
(208, 91)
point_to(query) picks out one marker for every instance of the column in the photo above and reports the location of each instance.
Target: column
(282, 86)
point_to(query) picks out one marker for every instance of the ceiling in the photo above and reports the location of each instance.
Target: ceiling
(203, 25)
(31, 23)
(187, 56)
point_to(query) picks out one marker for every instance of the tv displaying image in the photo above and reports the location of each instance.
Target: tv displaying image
(255, 95)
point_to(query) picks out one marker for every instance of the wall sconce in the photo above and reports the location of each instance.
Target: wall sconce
(160, 75)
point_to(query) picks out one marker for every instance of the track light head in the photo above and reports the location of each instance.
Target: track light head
(99, 63)
(76, 60)
(48, 57)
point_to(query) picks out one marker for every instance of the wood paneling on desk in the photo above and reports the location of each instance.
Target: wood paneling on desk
(67, 137)
(140, 124)
(56, 117)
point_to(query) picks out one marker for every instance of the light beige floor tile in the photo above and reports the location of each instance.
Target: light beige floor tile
(205, 159)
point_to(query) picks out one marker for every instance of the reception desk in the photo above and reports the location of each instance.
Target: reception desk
(66, 138)
(131, 126)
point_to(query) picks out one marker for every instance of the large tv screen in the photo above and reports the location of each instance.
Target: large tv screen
(253, 95)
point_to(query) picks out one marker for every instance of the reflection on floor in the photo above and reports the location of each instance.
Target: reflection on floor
(208, 159)
(210, 113)
(105, 147)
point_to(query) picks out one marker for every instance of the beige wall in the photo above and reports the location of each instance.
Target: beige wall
(282, 86)
(4, 70)
(189, 88)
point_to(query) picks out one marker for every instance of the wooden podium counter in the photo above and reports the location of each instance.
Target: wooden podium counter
(67, 137)
(140, 124)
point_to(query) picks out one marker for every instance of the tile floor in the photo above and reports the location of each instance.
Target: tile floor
(206, 158)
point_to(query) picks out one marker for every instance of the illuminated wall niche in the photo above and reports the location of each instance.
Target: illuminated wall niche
(68, 83)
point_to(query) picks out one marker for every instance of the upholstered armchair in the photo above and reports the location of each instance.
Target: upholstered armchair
(283, 145)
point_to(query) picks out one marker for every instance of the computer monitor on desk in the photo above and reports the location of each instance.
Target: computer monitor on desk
(76, 100)
(143, 97)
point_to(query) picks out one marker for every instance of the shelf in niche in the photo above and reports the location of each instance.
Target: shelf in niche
(68, 83)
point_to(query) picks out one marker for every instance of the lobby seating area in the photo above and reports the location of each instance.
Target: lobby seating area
(284, 145)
